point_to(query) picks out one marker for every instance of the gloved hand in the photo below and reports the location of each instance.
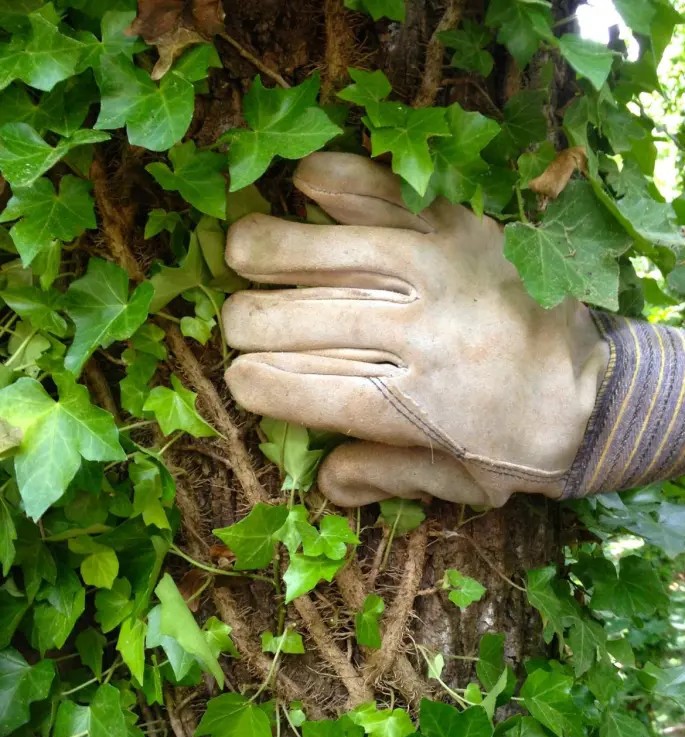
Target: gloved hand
(415, 335)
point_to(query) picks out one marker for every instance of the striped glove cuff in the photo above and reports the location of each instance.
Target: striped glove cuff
(636, 433)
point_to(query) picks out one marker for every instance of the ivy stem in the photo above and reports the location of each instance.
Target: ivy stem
(166, 447)
(136, 425)
(522, 209)
(216, 571)
(108, 673)
(272, 670)
(217, 312)
(289, 720)
(21, 348)
(388, 544)
(167, 316)
(450, 691)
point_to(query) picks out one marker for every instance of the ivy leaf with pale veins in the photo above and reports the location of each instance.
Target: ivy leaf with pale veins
(56, 435)
(103, 717)
(99, 305)
(521, 25)
(156, 116)
(197, 176)
(572, 252)
(41, 57)
(404, 132)
(282, 122)
(590, 59)
(366, 622)
(233, 715)
(332, 539)
(20, 685)
(547, 696)
(24, 155)
(368, 89)
(377, 9)
(37, 306)
(253, 539)
(174, 409)
(44, 215)
(619, 724)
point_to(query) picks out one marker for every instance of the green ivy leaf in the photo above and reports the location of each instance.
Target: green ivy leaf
(297, 528)
(288, 448)
(38, 306)
(521, 26)
(343, 727)
(469, 44)
(383, 722)
(218, 636)
(636, 591)
(197, 176)
(590, 59)
(8, 534)
(571, 253)
(587, 640)
(131, 646)
(159, 220)
(90, 645)
(57, 609)
(169, 281)
(174, 409)
(282, 122)
(21, 684)
(403, 515)
(253, 539)
(103, 717)
(185, 665)
(41, 56)
(148, 491)
(99, 305)
(290, 643)
(616, 723)
(366, 622)
(304, 573)
(547, 696)
(179, 623)
(368, 89)
(12, 610)
(332, 539)
(25, 156)
(56, 435)
(377, 9)
(156, 116)
(637, 14)
(404, 132)
(465, 590)
(100, 568)
(669, 682)
(233, 715)
(44, 215)
(544, 594)
(491, 663)
(195, 63)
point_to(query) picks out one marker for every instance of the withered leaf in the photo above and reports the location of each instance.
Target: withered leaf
(552, 182)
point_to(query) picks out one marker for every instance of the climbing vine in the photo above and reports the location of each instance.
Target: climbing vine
(112, 278)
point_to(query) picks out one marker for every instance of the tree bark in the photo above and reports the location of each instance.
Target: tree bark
(288, 40)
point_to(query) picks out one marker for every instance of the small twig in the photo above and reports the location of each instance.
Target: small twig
(484, 557)
(263, 68)
(432, 70)
(216, 571)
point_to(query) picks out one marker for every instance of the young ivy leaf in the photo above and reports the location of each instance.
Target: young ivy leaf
(469, 44)
(25, 156)
(174, 409)
(233, 715)
(402, 515)
(156, 116)
(178, 622)
(99, 305)
(377, 9)
(282, 122)
(56, 435)
(304, 573)
(253, 539)
(148, 491)
(100, 567)
(572, 252)
(103, 717)
(289, 642)
(331, 540)
(368, 89)
(288, 448)
(44, 215)
(197, 176)
(366, 622)
(218, 636)
(382, 722)
(41, 56)
(521, 25)
(296, 529)
(404, 132)
(464, 589)
(590, 59)
(20, 685)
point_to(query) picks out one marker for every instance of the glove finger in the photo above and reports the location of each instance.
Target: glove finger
(359, 473)
(313, 319)
(355, 190)
(274, 251)
(321, 392)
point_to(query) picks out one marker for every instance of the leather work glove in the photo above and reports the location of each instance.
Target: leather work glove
(415, 336)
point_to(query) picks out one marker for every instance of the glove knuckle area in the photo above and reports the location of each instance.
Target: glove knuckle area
(244, 235)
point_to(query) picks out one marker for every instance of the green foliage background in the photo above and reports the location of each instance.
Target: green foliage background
(91, 626)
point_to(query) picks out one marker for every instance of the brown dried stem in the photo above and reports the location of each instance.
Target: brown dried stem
(257, 63)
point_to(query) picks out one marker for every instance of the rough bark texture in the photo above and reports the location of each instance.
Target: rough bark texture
(220, 479)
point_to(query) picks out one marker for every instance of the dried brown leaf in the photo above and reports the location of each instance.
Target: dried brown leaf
(189, 585)
(552, 182)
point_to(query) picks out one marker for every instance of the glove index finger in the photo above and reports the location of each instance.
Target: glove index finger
(355, 190)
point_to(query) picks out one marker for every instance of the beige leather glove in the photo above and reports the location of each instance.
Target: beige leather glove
(413, 334)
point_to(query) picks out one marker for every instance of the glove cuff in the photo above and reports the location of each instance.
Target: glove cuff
(636, 432)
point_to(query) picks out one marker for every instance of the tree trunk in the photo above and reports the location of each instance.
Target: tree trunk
(222, 478)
